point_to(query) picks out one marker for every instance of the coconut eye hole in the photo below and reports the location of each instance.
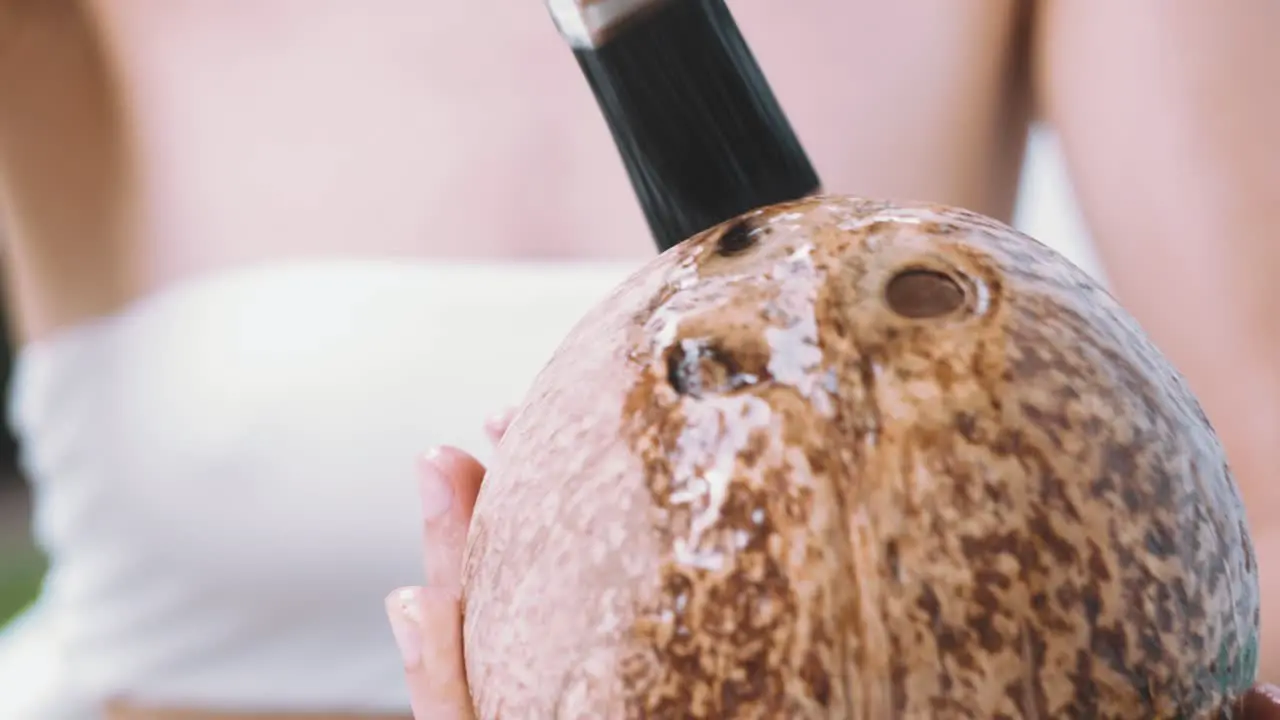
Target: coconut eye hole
(738, 238)
(701, 367)
(923, 293)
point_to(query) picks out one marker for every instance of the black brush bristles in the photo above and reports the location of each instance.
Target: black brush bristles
(700, 132)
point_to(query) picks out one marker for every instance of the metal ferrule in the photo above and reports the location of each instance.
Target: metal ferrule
(588, 24)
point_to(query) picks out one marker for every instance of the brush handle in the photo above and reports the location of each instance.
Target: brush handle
(699, 130)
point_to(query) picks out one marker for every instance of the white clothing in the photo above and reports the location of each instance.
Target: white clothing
(224, 475)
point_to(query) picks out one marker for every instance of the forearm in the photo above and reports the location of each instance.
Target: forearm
(65, 165)
(1171, 124)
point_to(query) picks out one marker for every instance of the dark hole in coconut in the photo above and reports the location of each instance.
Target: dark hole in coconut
(921, 293)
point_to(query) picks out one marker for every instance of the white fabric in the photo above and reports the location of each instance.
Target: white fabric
(1048, 209)
(224, 475)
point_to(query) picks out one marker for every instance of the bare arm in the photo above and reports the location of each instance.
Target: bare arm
(64, 174)
(1170, 120)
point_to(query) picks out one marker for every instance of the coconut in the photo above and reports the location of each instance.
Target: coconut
(841, 458)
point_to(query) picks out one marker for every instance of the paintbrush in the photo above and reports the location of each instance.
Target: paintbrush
(700, 132)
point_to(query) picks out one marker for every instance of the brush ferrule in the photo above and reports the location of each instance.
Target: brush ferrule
(588, 23)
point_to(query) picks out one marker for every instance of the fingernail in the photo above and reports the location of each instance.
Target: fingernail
(434, 487)
(1272, 694)
(496, 425)
(404, 610)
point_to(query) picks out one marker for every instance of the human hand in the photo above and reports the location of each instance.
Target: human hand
(427, 620)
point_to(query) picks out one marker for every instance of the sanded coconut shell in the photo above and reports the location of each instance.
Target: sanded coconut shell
(853, 459)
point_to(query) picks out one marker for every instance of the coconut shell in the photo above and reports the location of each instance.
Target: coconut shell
(851, 459)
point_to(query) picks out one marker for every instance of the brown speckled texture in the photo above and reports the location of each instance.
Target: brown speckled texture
(747, 487)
